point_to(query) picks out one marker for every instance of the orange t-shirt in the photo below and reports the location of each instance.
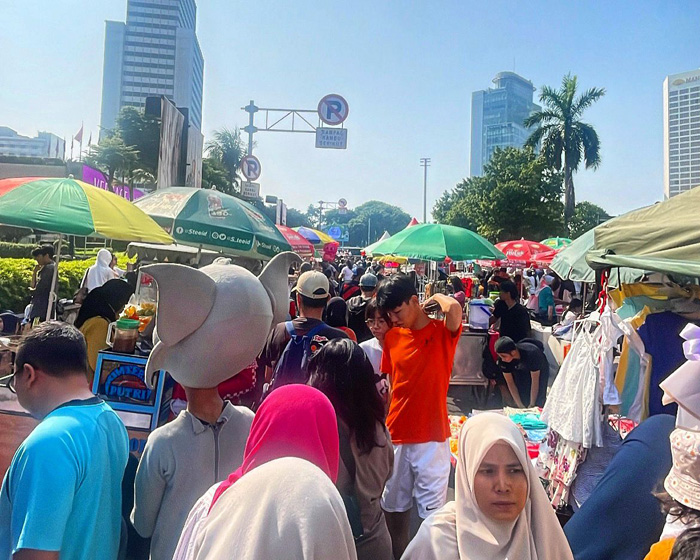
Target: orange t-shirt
(419, 365)
(661, 550)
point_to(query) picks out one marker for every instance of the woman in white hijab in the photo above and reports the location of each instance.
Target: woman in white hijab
(287, 508)
(501, 510)
(100, 272)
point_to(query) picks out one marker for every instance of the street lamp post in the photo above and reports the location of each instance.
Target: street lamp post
(425, 163)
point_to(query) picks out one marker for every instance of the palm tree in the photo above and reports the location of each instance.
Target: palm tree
(228, 149)
(565, 138)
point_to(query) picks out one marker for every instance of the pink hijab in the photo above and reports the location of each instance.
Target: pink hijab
(294, 421)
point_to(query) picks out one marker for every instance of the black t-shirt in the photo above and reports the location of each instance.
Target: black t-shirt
(531, 359)
(279, 338)
(515, 322)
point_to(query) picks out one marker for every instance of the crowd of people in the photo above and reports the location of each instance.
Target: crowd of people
(348, 436)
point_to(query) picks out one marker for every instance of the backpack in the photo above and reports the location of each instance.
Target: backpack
(292, 365)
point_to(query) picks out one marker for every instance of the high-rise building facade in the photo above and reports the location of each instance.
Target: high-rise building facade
(681, 132)
(44, 145)
(497, 118)
(156, 52)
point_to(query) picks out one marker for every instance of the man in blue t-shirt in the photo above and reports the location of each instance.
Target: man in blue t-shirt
(61, 496)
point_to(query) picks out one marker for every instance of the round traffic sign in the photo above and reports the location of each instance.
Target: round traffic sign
(333, 109)
(250, 167)
(342, 203)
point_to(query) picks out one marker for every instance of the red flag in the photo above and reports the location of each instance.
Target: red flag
(79, 136)
(90, 140)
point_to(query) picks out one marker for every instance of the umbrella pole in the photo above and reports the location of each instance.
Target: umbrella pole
(199, 256)
(53, 295)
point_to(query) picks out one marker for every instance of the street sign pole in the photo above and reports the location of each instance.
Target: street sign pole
(425, 163)
(250, 129)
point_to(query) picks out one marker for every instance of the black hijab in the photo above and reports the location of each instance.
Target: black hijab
(105, 301)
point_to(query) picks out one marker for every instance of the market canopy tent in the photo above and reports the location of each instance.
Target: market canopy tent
(664, 237)
(368, 250)
(570, 263)
(436, 242)
(315, 236)
(300, 245)
(557, 242)
(70, 207)
(521, 251)
(213, 220)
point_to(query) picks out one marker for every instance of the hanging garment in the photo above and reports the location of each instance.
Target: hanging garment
(558, 464)
(610, 332)
(573, 408)
(661, 336)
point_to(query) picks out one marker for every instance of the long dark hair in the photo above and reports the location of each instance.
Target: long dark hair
(342, 371)
(105, 301)
(336, 313)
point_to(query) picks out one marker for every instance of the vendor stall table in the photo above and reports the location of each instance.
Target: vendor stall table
(467, 367)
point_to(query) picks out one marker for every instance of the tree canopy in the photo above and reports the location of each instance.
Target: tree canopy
(142, 132)
(113, 158)
(227, 149)
(518, 196)
(566, 140)
(586, 216)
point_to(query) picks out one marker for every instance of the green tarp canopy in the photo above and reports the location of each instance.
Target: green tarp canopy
(664, 237)
(570, 263)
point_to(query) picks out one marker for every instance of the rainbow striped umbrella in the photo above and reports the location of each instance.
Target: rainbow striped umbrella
(72, 207)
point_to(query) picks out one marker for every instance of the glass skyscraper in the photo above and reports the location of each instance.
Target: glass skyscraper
(156, 52)
(681, 132)
(497, 118)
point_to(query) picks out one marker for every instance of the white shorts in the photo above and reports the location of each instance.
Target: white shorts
(421, 471)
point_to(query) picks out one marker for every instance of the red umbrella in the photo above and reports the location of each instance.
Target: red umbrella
(521, 251)
(545, 257)
(299, 244)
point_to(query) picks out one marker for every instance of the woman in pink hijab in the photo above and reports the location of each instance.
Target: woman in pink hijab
(294, 421)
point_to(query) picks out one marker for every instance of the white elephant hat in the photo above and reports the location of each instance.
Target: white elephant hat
(213, 322)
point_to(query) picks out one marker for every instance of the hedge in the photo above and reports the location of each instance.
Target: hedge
(16, 250)
(16, 277)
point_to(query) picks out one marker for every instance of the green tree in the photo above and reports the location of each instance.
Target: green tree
(586, 216)
(297, 218)
(368, 222)
(142, 132)
(566, 140)
(228, 149)
(518, 196)
(113, 158)
(214, 175)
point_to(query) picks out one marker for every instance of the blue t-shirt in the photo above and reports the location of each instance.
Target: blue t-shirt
(62, 491)
(546, 300)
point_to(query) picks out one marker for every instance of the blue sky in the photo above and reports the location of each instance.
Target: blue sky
(407, 69)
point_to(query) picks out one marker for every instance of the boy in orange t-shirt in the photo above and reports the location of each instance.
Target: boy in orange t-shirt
(418, 357)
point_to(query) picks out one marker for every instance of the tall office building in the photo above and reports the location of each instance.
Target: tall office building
(497, 118)
(44, 145)
(681, 132)
(155, 52)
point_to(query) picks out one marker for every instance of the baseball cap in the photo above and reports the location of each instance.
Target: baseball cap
(313, 284)
(368, 280)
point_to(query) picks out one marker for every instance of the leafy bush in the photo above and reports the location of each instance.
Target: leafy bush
(16, 277)
(16, 250)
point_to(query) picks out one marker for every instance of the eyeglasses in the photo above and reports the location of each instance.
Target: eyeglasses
(8, 382)
(378, 322)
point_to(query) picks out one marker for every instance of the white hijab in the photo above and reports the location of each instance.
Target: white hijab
(100, 272)
(287, 508)
(460, 531)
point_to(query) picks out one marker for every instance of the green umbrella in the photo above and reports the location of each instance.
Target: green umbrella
(435, 242)
(213, 220)
(557, 242)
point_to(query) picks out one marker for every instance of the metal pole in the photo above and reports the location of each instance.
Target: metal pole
(251, 109)
(369, 230)
(425, 163)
